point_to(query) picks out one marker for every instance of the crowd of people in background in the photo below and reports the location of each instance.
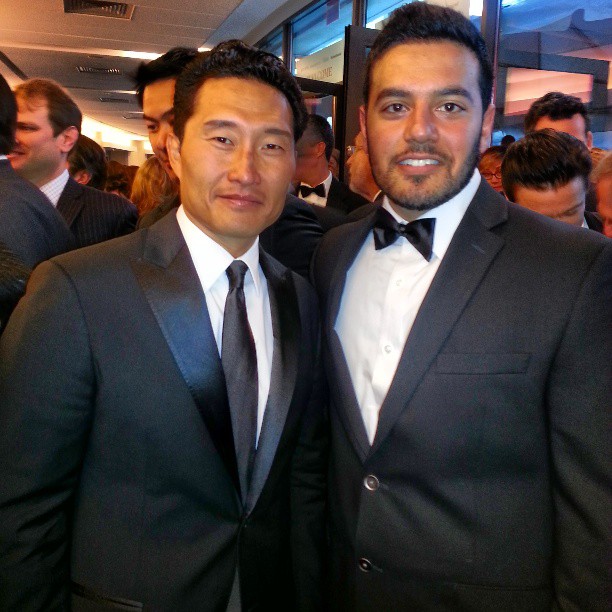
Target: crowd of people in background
(435, 289)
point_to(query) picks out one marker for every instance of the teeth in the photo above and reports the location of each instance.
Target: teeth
(418, 163)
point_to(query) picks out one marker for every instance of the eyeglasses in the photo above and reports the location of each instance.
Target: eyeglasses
(490, 175)
(351, 150)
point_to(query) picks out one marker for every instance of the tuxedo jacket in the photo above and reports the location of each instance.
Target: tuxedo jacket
(116, 449)
(487, 486)
(29, 224)
(593, 220)
(94, 215)
(342, 198)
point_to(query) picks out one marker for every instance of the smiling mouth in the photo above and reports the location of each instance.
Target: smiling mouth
(419, 163)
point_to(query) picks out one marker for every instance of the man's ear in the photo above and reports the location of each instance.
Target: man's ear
(320, 149)
(362, 125)
(82, 176)
(486, 131)
(173, 146)
(67, 139)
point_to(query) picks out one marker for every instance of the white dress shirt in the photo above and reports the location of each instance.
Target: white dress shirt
(211, 261)
(53, 189)
(315, 199)
(382, 296)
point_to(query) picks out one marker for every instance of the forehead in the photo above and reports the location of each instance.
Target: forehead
(426, 66)
(574, 125)
(37, 106)
(554, 200)
(158, 97)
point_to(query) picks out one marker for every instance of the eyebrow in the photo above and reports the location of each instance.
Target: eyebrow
(393, 92)
(164, 116)
(224, 123)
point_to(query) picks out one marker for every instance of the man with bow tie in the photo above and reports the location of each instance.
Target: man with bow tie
(315, 182)
(470, 464)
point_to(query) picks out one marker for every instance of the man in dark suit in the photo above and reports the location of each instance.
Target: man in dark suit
(48, 126)
(292, 239)
(313, 179)
(468, 356)
(162, 434)
(548, 172)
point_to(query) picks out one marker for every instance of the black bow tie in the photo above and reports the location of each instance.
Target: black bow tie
(319, 190)
(419, 233)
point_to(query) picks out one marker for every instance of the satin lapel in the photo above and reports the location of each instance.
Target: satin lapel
(172, 288)
(70, 204)
(286, 330)
(467, 260)
(342, 391)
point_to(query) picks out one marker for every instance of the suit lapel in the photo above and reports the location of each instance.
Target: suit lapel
(70, 203)
(471, 252)
(343, 392)
(171, 286)
(286, 342)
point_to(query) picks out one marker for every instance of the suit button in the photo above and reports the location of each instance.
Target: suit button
(364, 565)
(371, 483)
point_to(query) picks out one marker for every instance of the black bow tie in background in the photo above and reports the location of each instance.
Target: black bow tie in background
(319, 190)
(419, 233)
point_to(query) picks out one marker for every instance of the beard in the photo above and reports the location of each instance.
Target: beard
(394, 187)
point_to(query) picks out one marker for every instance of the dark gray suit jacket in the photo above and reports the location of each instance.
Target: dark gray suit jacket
(342, 198)
(491, 473)
(94, 215)
(116, 447)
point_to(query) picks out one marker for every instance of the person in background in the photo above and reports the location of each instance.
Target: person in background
(152, 187)
(602, 179)
(118, 179)
(548, 172)
(489, 167)
(507, 140)
(359, 171)
(334, 163)
(87, 163)
(467, 347)
(48, 127)
(162, 429)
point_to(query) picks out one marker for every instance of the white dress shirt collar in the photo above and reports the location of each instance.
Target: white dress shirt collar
(210, 259)
(54, 188)
(447, 215)
(313, 198)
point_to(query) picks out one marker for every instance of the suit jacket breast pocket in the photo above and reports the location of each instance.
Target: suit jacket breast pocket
(482, 363)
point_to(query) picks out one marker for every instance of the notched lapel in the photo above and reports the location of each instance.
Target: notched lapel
(70, 203)
(170, 283)
(286, 329)
(471, 252)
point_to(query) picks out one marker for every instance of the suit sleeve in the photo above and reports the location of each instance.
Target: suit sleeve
(46, 394)
(309, 491)
(579, 395)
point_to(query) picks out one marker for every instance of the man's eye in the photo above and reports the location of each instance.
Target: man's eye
(151, 127)
(451, 107)
(396, 107)
(271, 146)
(222, 139)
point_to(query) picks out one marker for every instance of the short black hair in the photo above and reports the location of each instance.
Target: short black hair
(8, 117)
(234, 58)
(546, 159)
(556, 106)
(167, 66)
(319, 129)
(88, 155)
(422, 22)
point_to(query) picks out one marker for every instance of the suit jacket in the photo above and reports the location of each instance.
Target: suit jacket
(593, 220)
(291, 239)
(487, 486)
(116, 447)
(29, 224)
(94, 215)
(342, 198)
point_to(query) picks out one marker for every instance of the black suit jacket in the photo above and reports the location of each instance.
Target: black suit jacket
(593, 220)
(490, 466)
(94, 215)
(29, 224)
(342, 198)
(116, 446)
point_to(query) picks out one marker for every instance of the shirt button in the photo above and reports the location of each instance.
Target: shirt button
(365, 565)
(388, 348)
(371, 483)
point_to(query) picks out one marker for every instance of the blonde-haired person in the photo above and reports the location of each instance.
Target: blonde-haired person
(152, 187)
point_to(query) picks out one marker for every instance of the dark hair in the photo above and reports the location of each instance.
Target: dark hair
(88, 155)
(421, 22)
(234, 58)
(556, 106)
(118, 178)
(8, 117)
(318, 130)
(167, 66)
(546, 159)
(507, 140)
(62, 109)
(496, 151)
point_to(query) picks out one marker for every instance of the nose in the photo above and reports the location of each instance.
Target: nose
(420, 124)
(160, 139)
(243, 167)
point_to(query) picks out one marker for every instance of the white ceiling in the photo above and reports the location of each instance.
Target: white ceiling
(37, 39)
